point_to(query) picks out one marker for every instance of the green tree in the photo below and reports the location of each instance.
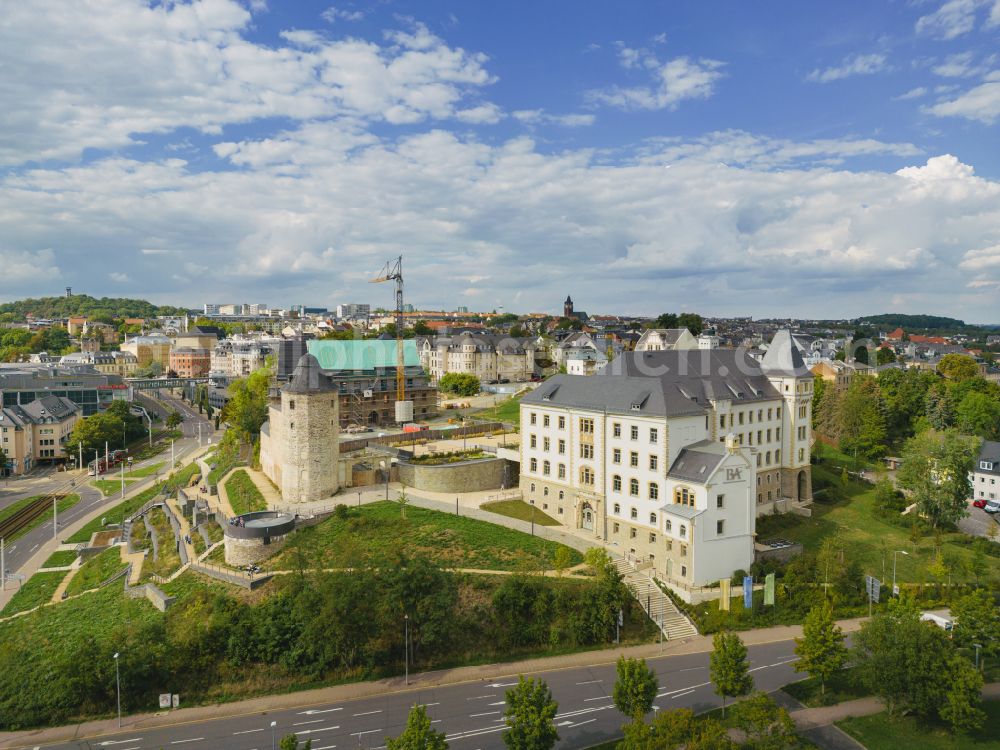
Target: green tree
(691, 321)
(635, 688)
(597, 559)
(676, 729)
(978, 414)
(821, 649)
(963, 696)
(935, 471)
(666, 320)
(958, 367)
(420, 328)
(246, 410)
(728, 667)
(291, 742)
(977, 620)
(418, 735)
(402, 499)
(174, 419)
(884, 355)
(861, 419)
(561, 559)
(767, 726)
(459, 383)
(529, 716)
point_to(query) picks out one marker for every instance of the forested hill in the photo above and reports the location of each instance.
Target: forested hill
(898, 320)
(107, 308)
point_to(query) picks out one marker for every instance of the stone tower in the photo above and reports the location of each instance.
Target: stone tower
(310, 430)
(784, 367)
(568, 307)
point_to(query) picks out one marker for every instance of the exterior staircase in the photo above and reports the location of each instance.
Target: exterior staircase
(654, 602)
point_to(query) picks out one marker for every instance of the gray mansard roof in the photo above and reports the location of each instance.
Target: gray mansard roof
(696, 462)
(990, 451)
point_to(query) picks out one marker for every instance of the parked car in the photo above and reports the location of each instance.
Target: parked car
(942, 622)
(980, 503)
(992, 506)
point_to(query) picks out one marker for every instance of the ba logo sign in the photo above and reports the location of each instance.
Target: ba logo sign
(734, 475)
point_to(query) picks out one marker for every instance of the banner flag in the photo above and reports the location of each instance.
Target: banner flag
(724, 594)
(769, 590)
(748, 592)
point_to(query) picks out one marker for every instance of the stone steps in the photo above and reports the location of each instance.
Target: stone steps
(654, 602)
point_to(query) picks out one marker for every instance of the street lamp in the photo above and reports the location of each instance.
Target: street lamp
(406, 657)
(894, 593)
(977, 646)
(273, 725)
(118, 686)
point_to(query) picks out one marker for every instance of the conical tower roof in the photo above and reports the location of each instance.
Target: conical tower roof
(783, 357)
(308, 377)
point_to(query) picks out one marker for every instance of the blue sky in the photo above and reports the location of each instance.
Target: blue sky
(797, 159)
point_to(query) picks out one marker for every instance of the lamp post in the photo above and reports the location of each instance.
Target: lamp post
(406, 657)
(273, 725)
(894, 568)
(118, 686)
(532, 516)
(977, 646)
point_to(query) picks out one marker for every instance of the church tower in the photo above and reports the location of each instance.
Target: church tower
(784, 367)
(568, 307)
(310, 407)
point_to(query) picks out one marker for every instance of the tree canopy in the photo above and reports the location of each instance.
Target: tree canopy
(529, 716)
(459, 383)
(635, 688)
(107, 308)
(935, 471)
(419, 734)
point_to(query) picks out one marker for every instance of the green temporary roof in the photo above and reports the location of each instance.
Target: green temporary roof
(367, 354)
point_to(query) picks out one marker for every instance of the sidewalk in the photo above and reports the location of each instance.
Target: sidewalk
(419, 681)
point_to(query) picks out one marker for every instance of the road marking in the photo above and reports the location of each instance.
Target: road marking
(325, 747)
(181, 742)
(367, 731)
(598, 698)
(119, 742)
(426, 705)
(589, 682)
(480, 697)
(311, 721)
(681, 695)
(435, 721)
(312, 711)
(369, 713)
(501, 684)
(318, 729)
(249, 731)
(679, 690)
(580, 724)
(485, 713)
(498, 703)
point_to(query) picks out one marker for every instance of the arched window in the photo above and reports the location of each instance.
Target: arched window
(654, 491)
(532, 486)
(560, 494)
(616, 483)
(634, 514)
(768, 459)
(633, 487)
(652, 518)
(545, 491)
(618, 508)
(586, 475)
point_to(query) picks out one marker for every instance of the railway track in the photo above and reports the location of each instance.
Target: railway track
(15, 523)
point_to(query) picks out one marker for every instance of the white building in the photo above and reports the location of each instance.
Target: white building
(663, 339)
(489, 357)
(239, 356)
(669, 456)
(708, 341)
(986, 472)
(353, 311)
(584, 361)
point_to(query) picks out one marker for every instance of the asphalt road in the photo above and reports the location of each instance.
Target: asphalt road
(470, 714)
(978, 522)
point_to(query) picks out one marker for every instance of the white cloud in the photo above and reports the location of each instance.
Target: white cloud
(914, 93)
(24, 266)
(541, 117)
(977, 260)
(156, 69)
(963, 64)
(119, 278)
(673, 82)
(332, 14)
(853, 65)
(483, 114)
(980, 103)
(955, 18)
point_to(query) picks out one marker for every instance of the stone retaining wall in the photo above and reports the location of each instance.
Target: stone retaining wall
(463, 476)
(240, 552)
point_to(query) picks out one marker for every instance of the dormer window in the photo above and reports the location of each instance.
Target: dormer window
(986, 465)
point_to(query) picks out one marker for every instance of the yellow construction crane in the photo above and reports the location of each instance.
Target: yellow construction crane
(393, 271)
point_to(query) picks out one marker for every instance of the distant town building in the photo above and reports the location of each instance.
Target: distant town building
(585, 361)
(92, 391)
(36, 432)
(188, 362)
(353, 311)
(111, 363)
(986, 472)
(149, 349)
(663, 339)
(490, 357)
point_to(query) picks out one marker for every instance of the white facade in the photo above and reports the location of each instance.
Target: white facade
(662, 339)
(986, 472)
(489, 358)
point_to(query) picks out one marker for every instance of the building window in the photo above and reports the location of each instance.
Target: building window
(532, 486)
(652, 519)
(719, 526)
(683, 496)
(741, 417)
(618, 509)
(546, 468)
(631, 534)
(534, 465)
(616, 484)
(634, 432)
(615, 528)
(652, 463)
(587, 426)
(533, 441)
(586, 475)
(777, 412)
(545, 420)
(654, 435)
(561, 494)
(562, 471)
(633, 487)
(720, 501)
(654, 492)
(777, 457)
(802, 455)
(670, 546)
(684, 550)
(291, 403)
(634, 514)
(562, 446)
(545, 491)
(616, 456)
(722, 421)
(760, 498)
(616, 429)
(758, 462)
(684, 571)
(534, 418)
(545, 444)
(770, 413)
(633, 459)
(683, 531)
(669, 525)
(652, 538)
(562, 423)
(586, 450)
(767, 460)
(560, 511)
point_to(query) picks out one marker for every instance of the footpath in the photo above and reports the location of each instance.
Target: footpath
(419, 681)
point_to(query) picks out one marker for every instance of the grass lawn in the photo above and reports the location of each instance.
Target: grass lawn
(168, 559)
(871, 540)
(520, 510)
(36, 590)
(843, 686)
(213, 529)
(60, 559)
(16, 506)
(226, 457)
(95, 571)
(243, 494)
(378, 531)
(508, 411)
(109, 487)
(883, 732)
(124, 509)
(145, 471)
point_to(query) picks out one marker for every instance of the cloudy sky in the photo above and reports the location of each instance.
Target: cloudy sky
(776, 158)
